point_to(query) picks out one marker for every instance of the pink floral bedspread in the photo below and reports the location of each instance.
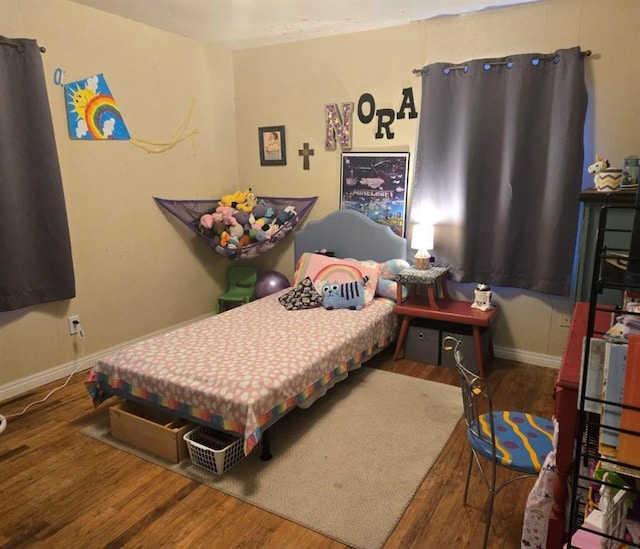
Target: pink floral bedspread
(243, 369)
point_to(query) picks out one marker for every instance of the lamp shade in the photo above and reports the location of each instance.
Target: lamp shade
(422, 237)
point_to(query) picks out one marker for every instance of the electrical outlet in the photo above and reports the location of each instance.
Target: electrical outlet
(74, 324)
(565, 321)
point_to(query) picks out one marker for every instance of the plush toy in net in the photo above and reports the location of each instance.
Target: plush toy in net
(234, 233)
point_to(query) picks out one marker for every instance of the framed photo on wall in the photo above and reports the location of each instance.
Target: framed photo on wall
(273, 150)
(375, 184)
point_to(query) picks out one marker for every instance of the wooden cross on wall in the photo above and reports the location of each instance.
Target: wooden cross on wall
(306, 152)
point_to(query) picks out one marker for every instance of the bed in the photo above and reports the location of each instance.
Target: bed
(242, 370)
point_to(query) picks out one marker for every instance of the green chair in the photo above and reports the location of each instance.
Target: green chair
(242, 281)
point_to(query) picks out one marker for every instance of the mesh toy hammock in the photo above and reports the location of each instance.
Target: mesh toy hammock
(190, 211)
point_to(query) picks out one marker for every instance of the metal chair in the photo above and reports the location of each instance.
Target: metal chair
(242, 282)
(516, 441)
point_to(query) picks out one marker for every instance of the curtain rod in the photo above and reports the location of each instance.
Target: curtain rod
(13, 44)
(585, 53)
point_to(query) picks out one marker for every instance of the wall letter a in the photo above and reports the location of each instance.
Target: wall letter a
(407, 103)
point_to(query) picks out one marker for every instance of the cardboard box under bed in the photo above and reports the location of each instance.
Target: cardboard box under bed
(150, 429)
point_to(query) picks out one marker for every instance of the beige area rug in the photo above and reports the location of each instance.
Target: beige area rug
(349, 465)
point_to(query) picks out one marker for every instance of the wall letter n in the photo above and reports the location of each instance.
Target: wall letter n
(338, 126)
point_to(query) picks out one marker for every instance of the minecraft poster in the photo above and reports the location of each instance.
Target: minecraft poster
(375, 184)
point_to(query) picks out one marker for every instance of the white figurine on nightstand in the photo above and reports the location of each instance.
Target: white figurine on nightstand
(482, 296)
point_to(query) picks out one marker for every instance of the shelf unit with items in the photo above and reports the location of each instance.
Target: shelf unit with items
(605, 507)
(592, 202)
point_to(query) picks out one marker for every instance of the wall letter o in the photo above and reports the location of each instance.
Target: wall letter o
(366, 98)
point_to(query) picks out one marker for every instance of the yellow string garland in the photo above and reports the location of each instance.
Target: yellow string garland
(160, 147)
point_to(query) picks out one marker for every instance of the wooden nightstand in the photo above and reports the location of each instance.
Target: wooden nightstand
(437, 305)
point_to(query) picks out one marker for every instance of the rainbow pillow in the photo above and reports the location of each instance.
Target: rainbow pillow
(321, 269)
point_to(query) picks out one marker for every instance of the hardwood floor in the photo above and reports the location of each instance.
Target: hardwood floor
(60, 488)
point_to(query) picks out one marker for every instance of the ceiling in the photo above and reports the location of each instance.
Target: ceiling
(240, 24)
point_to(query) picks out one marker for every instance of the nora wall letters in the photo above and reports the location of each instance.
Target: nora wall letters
(339, 123)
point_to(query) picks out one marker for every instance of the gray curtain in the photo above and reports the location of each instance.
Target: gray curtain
(499, 167)
(35, 251)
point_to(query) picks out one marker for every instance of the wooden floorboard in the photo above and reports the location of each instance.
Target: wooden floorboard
(61, 489)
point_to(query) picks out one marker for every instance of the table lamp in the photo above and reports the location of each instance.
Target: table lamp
(422, 240)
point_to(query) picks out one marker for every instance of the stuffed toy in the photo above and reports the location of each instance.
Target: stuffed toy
(285, 215)
(234, 199)
(218, 227)
(245, 240)
(236, 230)
(250, 201)
(259, 223)
(232, 243)
(227, 200)
(206, 225)
(266, 232)
(348, 295)
(262, 210)
(242, 217)
(261, 235)
(263, 224)
(225, 214)
(206, 221)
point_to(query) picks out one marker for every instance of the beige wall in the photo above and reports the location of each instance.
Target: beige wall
(290, 84)
(138, 271)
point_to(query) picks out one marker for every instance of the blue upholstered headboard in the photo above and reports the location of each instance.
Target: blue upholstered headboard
(348, 233)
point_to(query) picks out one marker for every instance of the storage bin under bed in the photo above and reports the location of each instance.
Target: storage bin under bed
(212, 450)
(149, 429)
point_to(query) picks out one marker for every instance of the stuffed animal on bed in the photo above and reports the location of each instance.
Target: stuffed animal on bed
(347, 295)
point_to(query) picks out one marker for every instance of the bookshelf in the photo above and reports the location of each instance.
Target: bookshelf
(606, 473)
(592, 202)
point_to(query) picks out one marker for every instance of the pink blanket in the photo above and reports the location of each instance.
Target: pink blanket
(243, 369)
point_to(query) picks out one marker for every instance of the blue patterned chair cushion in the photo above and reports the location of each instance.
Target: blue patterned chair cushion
(522, 440)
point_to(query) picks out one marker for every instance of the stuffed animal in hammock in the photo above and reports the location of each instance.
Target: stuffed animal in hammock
(346, 295)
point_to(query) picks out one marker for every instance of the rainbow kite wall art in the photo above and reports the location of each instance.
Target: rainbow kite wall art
(92, 111)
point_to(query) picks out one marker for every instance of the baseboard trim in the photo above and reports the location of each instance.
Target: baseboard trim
(526, 357)
(29, 383)
(62, 371)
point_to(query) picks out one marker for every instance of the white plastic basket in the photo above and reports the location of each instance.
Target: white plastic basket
(217, 460)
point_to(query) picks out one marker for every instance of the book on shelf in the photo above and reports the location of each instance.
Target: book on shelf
(610, 452)
(615, 357)
(615, 467)
(595, 367)
(629, 444)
